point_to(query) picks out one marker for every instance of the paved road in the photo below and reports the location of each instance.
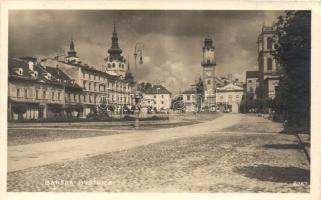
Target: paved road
(25, 156)
(234, 153)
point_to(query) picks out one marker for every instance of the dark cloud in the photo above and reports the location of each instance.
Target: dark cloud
(173, 39)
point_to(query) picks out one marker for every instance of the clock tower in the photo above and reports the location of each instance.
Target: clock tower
(208, 64)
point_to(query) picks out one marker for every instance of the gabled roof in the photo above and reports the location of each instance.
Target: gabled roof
(154, 90)
(190, 91)
(230, 87)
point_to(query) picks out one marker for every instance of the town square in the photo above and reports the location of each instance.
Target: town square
(159, 101)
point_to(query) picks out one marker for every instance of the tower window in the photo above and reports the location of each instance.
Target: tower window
(109, 65)
(269, 64)
(269, 43)
(114, 65)
(208, 82)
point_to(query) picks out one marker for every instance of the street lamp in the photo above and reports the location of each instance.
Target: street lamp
(139, 47)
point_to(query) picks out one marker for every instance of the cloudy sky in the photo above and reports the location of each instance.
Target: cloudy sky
(172, 39)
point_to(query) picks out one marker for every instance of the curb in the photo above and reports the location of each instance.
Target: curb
(303, 146)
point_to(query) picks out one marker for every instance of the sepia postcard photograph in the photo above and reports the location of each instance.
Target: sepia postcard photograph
(120, 100)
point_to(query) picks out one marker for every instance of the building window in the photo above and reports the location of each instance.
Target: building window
(18, 92)
(53, 95)
(59, 96)
(188, 97)
(37, 94)
(249, 81)
(89, 86)
(269, 43)
(208, 82)
(162, 102)
(162, 96)
(114, 65)
(251, 89)
(44, 94)
(269, 64)
(109, 65)
(26, 93)
(154, 96)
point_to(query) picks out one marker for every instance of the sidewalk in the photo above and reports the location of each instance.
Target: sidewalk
(32, 155)
(305, 142)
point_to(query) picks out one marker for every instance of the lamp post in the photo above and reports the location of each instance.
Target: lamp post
(139, 47)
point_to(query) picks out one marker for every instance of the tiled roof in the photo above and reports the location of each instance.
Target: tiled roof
(154, 90)
(189, 92)
(58, 77)
(94, 70)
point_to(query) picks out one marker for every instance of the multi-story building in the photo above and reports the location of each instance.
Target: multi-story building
(190, 99)
(229, 98)
(157, 97)
(70, 83)
(36, 91)
(269, 68)
(252, 82)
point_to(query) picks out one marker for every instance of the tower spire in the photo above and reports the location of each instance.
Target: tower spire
(72, 54)
(114, 50)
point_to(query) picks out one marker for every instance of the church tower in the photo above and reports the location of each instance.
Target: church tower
(72, 54)
(208, 64)
(115, 64)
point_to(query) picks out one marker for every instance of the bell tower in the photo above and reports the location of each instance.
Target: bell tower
(115, 63)
(72, 54)
(208, 64)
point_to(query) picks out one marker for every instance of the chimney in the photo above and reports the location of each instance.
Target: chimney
(30, 65)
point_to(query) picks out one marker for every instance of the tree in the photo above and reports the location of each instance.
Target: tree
(293, 52)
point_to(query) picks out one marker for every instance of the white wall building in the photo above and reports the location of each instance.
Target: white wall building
(229, 98)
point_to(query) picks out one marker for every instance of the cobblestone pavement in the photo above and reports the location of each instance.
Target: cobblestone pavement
(225, 161)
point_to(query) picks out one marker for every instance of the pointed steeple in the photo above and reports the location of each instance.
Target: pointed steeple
(114, 50)
(129, 76)
(71, 46)
(72, 52)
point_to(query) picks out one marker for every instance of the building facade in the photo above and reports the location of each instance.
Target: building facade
(269, 68)
(252, 82)
(157, 98)
(36, 91)
(68, 85)
(191, 100)
(229, 98)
